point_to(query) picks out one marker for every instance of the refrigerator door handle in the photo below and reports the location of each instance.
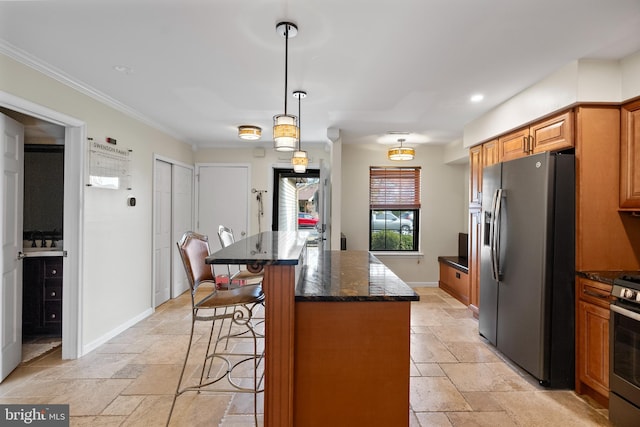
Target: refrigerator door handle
(497, 214)
(492, 225)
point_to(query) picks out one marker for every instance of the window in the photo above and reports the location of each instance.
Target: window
(394, 208)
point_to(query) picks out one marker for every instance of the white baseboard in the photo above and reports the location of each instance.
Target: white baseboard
(114, 332)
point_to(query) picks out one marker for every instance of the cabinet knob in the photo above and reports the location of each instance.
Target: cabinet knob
(54, 271)
(53, 293)
(53, 315)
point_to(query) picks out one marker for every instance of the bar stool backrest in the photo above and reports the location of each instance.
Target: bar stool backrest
(194, 248)
(226, 236)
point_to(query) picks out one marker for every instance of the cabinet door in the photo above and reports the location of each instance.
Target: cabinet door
(553, 134)
(490, 154)
(33, 273)
(630, 156)
(475, 168)
(513, 145)
(592, 338)
(593, 346)
(475, 229)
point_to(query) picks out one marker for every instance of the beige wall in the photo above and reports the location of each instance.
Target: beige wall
(443, 198)
(578, 81)
(117, 250)
(261, 169)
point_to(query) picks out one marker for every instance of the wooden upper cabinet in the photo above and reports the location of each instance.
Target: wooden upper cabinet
(490, 153)
(475, 165)
(630, 157)
(513, 145)
(553, 134)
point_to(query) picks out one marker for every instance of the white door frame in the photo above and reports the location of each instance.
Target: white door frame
(74, 177)
(153, 216)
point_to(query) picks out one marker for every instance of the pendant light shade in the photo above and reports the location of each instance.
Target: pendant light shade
(285, 132)
(285, 126)
(400, 152)
(299, 160)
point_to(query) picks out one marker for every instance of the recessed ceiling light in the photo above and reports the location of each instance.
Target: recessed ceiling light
(123, 69)
(477, 97)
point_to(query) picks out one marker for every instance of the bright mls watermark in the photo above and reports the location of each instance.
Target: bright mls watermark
(34, 415)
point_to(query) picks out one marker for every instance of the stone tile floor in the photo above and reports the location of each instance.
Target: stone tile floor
(456, 378)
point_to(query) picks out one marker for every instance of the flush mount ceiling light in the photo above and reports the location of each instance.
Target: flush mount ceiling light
(401, 153)
(285, 126)
(299, 160)
(248, 132)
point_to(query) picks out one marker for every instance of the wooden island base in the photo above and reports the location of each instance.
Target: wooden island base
(352, 364)
(337, 333)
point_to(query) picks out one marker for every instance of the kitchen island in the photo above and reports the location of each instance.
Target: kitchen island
(337, 333)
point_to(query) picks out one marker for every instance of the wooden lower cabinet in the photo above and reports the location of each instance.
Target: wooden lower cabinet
(455, 282)
(42, 296)
(592, 339)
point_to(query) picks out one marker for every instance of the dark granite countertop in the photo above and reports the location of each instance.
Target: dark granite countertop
(350, 276)
(606, 276)
(269, 247)
(459, 263)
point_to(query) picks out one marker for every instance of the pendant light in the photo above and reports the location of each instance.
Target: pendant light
(299, 160)
(285, 126)
(400, 152)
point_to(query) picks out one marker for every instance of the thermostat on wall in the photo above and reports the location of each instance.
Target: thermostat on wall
(131, 201)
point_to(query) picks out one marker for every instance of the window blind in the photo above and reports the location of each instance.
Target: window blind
(394, 188)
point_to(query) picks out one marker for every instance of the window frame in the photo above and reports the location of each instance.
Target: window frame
(394, 190)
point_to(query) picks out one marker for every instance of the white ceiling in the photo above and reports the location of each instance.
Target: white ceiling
(200, 68)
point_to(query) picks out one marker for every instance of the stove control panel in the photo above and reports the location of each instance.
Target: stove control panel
(629, 294)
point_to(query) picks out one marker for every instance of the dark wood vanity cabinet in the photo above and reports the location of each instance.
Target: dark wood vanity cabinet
(42, 295)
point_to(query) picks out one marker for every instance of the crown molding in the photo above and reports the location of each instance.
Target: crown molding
(49, 70)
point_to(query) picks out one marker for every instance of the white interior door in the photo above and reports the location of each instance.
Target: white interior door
(11, 188)
(162, 232)
(223, 199)
(182, 214)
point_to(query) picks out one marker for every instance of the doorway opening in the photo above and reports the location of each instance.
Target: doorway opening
(74, 138)
(296, 202)
(42, 231)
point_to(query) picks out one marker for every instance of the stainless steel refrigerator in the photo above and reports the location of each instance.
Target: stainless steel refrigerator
(527, 264)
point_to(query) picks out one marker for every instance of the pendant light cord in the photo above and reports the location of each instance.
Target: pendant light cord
(286, 64)
(299, 124)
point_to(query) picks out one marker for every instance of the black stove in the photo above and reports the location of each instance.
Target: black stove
(624, 364)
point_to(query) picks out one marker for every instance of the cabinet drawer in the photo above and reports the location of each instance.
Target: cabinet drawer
(594, 292)
(53, 291)
(53, 267)
(52, 312)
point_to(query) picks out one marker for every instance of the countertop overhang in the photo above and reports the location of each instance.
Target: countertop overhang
(329, 276)
(266, 248)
